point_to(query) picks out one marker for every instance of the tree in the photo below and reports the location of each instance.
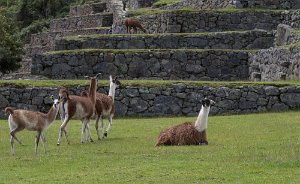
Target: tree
(10, 46)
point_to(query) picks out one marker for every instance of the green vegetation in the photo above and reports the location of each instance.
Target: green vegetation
(35, 15)
(143, 83)
(256, 148)
(166, 2)
(10, 46)
(95, 36)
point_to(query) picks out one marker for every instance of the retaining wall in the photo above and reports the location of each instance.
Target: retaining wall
(155, 64)
(275, 64)
(177, 99)
(214, 20)
(274, 4)
(88, 21)
(256, 39)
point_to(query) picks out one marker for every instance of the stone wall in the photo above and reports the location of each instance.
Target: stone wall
(256, 39)
(43, 42)
(216, 20)
(88, 21)
(208, 21)
(156, 64)
(177, 99)
(274, 4)
(136, 4)
(201, 4)
(87, 9)
(275, 64)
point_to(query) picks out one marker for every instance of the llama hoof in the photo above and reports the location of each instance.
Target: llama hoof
(91, 140)
(105, 134)
(99, 139)
(203, 143)
(58, 144)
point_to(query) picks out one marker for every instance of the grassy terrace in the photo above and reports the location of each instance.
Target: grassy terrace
(117, 51)
(257, 148)
(143, 83)
(95, 36)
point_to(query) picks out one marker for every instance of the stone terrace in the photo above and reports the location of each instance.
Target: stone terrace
(254, 39)
(93, 18)
(186, 45)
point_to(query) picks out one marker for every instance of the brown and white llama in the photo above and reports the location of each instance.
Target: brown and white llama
(132, 23)
(188, 133)
(81, 107)
(105, 106)
(20, 119)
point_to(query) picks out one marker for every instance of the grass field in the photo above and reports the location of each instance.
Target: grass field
(256, 148)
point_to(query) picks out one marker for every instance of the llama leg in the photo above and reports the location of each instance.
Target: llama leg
(12, 145)
(13, 132)
(109, 125)
(89, 134)
(63, 130)
(102, 126)
(203, 140)
(82, 132)
(43, 142)
(96, 126)
(37, 139)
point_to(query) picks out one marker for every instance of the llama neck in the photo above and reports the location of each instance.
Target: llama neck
(92, 90)
(201, 122)
(51, 115)
(112, 90)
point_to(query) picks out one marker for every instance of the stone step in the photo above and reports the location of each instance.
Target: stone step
(33, 50)
(215, 20)
(254, 39)
(88, 21)
(189, 64)
(87, 9)
(47, 38)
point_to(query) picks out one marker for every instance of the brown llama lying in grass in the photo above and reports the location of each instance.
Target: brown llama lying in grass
(131, 23)
(188, 133)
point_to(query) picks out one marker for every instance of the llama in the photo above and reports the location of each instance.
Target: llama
(105, 106)
(131, 23)
(77, 107)
(20, 119)
(188, 133)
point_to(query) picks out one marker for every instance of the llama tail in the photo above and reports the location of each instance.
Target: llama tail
(9, 110)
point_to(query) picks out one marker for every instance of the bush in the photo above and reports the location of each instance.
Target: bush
(10, 46)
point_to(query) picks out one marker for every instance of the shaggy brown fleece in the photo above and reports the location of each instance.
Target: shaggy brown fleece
(183, 134)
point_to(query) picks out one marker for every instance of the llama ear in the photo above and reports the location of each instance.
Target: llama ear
(110, 78)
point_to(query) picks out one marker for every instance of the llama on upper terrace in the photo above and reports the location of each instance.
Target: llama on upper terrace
(77, 107)
(105, 106)
(132, 23)
(188, 133)
(20, 119)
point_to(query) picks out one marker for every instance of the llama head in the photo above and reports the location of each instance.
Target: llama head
(207, 102)
(114, 81)
(55, 102)
(63, 95)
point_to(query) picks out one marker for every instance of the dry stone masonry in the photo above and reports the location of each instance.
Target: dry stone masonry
(177, 99)
(147, 64)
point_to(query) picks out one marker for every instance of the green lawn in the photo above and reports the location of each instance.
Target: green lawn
(256, 148)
